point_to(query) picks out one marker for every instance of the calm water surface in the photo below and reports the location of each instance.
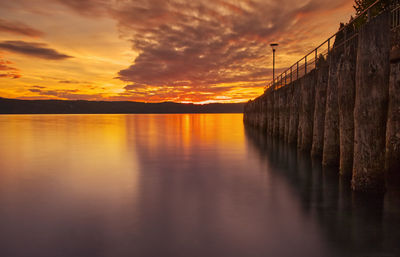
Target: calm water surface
(175, 185)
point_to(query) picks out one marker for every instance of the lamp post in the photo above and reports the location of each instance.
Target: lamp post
(273, 45)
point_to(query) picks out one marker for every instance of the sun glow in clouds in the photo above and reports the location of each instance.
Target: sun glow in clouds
(154, 50)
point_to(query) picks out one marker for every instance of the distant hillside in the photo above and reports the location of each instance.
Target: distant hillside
(15, 106)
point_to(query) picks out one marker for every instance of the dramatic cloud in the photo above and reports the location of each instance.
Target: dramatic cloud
(89, 7)
(10, 75)
(67, 94)
(72, 82)
(19, 29)
(34, 90)
(7, 71)
(39, 50)
(201, 44)
(181, 50)
(187, 93)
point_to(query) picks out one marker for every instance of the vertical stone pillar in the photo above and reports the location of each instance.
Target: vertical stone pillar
(245, 111)
(258, 112)
(253, 113)
(246, 114)
(282, 103)
(276, 114)
(346, 100)
(287, 112)
(279, 102)
(300, 123)
(261, 113)
(306, 115)
(266, 103)
(370, 113)
(330, 154)
(261, 118)
(393, 124)
(320, 104)
(294, 111)
(270, 112)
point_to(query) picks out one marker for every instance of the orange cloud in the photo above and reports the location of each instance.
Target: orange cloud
(39, 50)
(7, 71)
(198, 50)
(66, 94)
(19, 28)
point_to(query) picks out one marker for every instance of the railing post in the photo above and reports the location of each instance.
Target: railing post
(328, 58)
(329, 44)
(291, 74)
(315, 58)
(285, 78)
(305, 65)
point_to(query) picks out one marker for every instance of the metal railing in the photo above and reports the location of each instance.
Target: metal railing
(345, 35)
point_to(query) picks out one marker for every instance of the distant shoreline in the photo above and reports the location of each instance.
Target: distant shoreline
(17, 106)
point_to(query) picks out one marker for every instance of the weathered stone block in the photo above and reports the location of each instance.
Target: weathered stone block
(276, 113)
(393, 125)
(306, 115)
(287, 112)
(270, 112)
(330, 154)
(370, 113)
(346, 99)
(294, 112)
(319, 111)
(282, 112)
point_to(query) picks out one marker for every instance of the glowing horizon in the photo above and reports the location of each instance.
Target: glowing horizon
(153, 50)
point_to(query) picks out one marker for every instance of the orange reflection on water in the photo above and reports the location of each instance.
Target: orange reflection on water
(89, 146)
(162, 132)
(78, 150)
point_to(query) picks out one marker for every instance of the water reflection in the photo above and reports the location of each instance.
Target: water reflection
(174, 185)
(354, 224)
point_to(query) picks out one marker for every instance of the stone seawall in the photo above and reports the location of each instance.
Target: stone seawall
(346, 111)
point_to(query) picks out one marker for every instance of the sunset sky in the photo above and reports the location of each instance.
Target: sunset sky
(155, 50)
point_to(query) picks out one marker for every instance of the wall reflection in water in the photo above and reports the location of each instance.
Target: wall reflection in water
(354, 224)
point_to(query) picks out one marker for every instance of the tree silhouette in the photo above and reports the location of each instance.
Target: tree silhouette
(362, 5)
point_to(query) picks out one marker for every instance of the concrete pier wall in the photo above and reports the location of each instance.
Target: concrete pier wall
(282, 107)
(287, 113)
(393, 124)
(319, 110)
(346, 111)
(294, 102)
(275, 131)
(306, 111)
(330, 154)
(346, 101)
(371, 106)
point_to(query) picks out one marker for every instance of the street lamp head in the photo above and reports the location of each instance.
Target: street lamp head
(274, 45)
